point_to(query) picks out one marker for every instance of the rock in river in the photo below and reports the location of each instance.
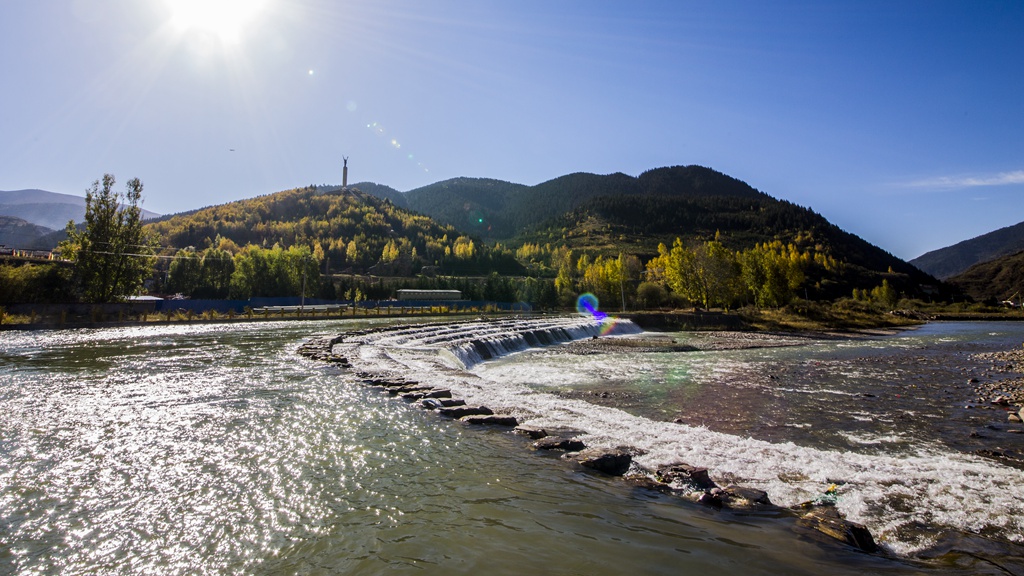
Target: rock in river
(610, 461)
(828, 521)
(460, 411)
(559, 443)
(491, 420)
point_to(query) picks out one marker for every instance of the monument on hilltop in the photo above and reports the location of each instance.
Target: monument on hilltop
(344, 173)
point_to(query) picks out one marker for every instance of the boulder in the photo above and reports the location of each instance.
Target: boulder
(559, 443)
(421, 393)
(685, 474)
(1014, 417)
(408, 389)
(828, 521)
(390, 383)
(431, 404)
(646, 482)
(713, 497)
(438, 393)
(491, 420)
(460, 411)
(531, 431)
(610, 461)
(752, 495)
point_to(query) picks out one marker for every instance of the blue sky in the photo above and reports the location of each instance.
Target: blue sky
(902, 122)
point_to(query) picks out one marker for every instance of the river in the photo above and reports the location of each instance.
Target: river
(215, 449)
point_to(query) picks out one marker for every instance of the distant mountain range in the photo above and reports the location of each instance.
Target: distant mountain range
(948, 262)
(19, 233)
(47, 212)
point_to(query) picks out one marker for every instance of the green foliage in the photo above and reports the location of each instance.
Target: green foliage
(185, 272)
(707, 274)
(274, 272)
(884, 295)
(355, 232)
(113, 254)
(206, 275)
(35, 283)
(711, 275)
(995, 280)
(651, 294)
(773, 272)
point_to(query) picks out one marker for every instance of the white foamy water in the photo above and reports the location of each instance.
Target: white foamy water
(902, 496)
(466, 344)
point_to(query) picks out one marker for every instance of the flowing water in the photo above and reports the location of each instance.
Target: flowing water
(216, 449)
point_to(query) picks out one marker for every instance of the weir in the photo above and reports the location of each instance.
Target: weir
(472, 342)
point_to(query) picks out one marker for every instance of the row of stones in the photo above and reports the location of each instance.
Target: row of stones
(679, 479)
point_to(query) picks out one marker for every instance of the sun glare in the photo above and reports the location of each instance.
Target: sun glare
(225, 19)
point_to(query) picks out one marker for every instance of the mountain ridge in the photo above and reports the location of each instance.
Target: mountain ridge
(954, 260)
(48, 211)
(498, 210)
(19, 233)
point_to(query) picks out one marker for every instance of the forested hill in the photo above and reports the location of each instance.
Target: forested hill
(353, 230)
(19, 233)
(617, 212)
(498, 210)
(637, 224)
(953, 260)
(993, 280)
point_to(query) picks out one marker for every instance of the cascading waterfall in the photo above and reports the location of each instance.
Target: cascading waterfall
(470, 343)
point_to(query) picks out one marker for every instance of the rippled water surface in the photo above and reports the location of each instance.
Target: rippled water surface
(215, 449)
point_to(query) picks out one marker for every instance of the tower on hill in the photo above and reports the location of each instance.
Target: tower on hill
(344, 173)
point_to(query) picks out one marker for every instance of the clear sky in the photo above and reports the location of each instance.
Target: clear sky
(900, 121)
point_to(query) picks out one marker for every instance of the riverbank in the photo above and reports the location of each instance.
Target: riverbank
(1004, 385)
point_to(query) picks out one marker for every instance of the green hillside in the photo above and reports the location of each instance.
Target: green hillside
(354, 231)
(637, 224)
(618, 213)
(477, 205)
(994, 280)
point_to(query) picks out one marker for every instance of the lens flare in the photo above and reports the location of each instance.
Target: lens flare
(587, 305)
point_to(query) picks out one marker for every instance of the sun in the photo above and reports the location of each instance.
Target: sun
(224, 19)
